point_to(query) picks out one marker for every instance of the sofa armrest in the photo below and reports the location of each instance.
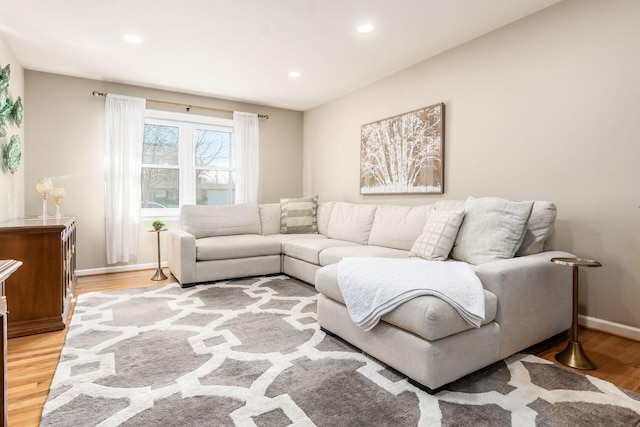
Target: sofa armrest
(534, 298)
(182, 256)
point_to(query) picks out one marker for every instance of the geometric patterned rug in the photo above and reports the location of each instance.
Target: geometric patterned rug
(249, 352)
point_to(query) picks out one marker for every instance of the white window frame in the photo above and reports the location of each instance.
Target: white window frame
(185, 123)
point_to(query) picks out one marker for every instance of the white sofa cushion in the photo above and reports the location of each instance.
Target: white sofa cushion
(398, 226)
(269, 219)
(438, 235)
(428, 317)
(299, 216)
(238, 246)
(284, 238)
(309, 249)
(539, 228)
(334, 255)
(492, 229)
(225, 220)
(351, 222)
(324, 215)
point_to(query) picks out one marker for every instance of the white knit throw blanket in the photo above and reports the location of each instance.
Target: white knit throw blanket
(372, 287)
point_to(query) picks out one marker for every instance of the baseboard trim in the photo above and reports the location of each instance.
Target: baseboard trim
(613, 328)
(119, 269)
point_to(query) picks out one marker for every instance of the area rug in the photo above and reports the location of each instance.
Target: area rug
(250, 353)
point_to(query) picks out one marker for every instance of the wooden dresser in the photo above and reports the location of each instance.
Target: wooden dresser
(7, 267)
(39, 294)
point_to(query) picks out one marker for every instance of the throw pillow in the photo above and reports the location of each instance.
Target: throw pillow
(299, 216)
(539, 228)
(438, 235)
(492, 229)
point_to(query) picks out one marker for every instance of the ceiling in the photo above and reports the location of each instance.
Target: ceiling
(244, 49)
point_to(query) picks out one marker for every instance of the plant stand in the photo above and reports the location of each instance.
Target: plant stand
(159, 273)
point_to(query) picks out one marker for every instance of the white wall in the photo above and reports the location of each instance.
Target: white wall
(12, 186)
(65, 132)
(546, 109)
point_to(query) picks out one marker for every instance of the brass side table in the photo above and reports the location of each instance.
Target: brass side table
(573, 355)
(159, 273)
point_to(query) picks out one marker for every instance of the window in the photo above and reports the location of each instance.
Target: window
(186, 159)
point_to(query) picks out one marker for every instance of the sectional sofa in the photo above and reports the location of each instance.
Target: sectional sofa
(527, 298)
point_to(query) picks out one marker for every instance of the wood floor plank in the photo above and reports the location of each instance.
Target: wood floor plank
(32, 360)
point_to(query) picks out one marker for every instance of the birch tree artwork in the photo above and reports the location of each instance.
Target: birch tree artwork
(404, 154)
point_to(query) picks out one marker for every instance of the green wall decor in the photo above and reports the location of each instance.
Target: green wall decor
(5, 111)
(9, 112)
(16, 112)
(5, 75)
(12, 154)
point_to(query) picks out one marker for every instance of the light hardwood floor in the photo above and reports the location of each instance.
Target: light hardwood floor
(33, 359)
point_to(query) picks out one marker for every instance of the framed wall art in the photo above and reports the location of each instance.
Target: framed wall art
(404, 154)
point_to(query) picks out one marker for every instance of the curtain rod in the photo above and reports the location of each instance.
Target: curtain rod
(186, 106)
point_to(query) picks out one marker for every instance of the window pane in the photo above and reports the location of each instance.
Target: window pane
(160, 145)
(214, 148)
(160, 188)
(215, 187)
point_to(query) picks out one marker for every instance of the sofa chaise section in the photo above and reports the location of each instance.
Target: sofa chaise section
(527, 300)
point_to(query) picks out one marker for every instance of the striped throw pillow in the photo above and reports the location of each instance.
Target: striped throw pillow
(299, 216)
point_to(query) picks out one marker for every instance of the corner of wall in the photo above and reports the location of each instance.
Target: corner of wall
(12, 185)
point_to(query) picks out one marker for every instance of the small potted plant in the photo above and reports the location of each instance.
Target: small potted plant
(157, 224)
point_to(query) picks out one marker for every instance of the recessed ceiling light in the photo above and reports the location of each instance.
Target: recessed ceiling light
(132, 38)
(295, 74)
(365, 28)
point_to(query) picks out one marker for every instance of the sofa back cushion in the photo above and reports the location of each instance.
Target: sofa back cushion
(324, 215)
(538, 236)
(269, 218)
(225, 220)
(539, 228)
(398, 227)
(351, 222)
(492, 229)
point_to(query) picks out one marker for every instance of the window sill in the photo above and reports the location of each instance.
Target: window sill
(167, 213)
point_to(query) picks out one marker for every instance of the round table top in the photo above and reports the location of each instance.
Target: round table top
(576, 262)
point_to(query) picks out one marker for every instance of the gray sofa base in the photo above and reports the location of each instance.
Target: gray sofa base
(299, 269)
(223, 269)
(411, 381)
(527, 288)
(432, 364)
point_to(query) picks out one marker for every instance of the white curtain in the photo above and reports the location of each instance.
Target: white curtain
(124, 129)
(247, 159)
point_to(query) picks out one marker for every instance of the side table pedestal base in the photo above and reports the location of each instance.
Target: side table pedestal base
(573, 355)
(159, 275)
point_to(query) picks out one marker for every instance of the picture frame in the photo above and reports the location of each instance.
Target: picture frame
(404, 154)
